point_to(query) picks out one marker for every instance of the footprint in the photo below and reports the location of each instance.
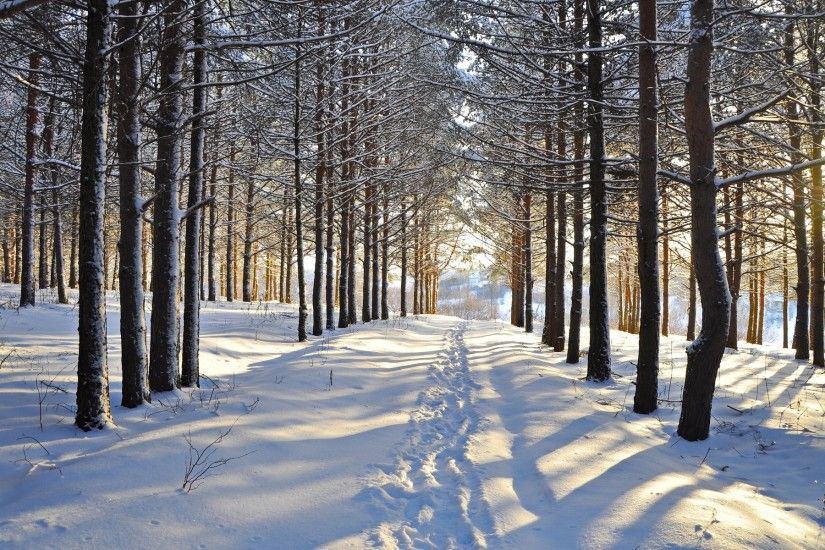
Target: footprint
(155, 522)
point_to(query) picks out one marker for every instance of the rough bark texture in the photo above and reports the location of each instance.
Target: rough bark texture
(647, 366)
(320, 170)
(299, 192)
(132, 320)
(817, 245)
(576, 279)
(705, 354)
(229, 264)
(403, 259)
(190, 366)
(93, 406)
(164, 346)
(598, 356)
(528, 264)
(249, 237)
(801, 338)
(27, 226)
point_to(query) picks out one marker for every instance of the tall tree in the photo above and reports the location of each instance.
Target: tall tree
(647, 366)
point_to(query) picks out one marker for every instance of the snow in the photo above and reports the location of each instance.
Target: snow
(429, 432)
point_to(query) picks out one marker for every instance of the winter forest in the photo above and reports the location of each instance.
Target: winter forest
(412, 274)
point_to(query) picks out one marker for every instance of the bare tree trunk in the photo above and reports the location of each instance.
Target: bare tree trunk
(132, 320)
(320, 170)
(330, 282)
(290, 241)
(73, 250)
(42, 249)
(647, 366)
(299, 189)
(230, 233)
(691, 322)
(785, 286)
(367, 233)
(190, 364)
(801, 338)
(817, 259)
(93, 406)
(416, 266)
(353, 318)
(705, 354)
(403, 259)
(27, 226)
(375, 303)
(576, 278)
(249, 236)
(282, 258)
(598, 356)
(385, 253)
(212, 275)
(735, 266)
(7, 268)
(561, 268)
(528, 264)
(550, 261)
(665, 268)
(57, 274)
(165, 324)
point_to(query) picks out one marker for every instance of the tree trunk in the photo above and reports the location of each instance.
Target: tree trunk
(598, 356)
(576, 278)
(164, 347)
(93, 406)
(212, 275)
(705, 354)
(27, 226)
(132, 320)
(249, 236)
(528, 264)
(42, 248)
(801, 338)
(190, 364)
(817, 260)
(550, 329)
(691, 323)
(320, 169)
(385, 254)
(366, 279)
(351, 304)
(230, 233)
(330, 282)
(299, 189)
(647, 366)
(403, 259)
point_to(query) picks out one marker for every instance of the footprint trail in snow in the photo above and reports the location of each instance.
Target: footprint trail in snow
(431, 494)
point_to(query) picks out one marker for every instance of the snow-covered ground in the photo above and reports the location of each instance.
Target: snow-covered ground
(429, 433)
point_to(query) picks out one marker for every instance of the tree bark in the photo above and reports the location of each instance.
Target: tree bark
(165, 324)
(801, 337)
(299, 189)
(598, 356)
(93, 406)
(27, 226)
(817, 245)
(190, 364)
(528, 264)
(132, 320)
(249, 237)
(704, 355)
(647, 366)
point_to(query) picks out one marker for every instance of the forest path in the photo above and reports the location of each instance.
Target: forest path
(432, 490)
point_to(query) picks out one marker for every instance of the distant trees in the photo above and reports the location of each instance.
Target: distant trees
(570, 139)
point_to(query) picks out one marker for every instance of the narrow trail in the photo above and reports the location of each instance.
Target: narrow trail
(431, 494)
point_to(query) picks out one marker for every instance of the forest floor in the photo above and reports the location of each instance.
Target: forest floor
(431, 432)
